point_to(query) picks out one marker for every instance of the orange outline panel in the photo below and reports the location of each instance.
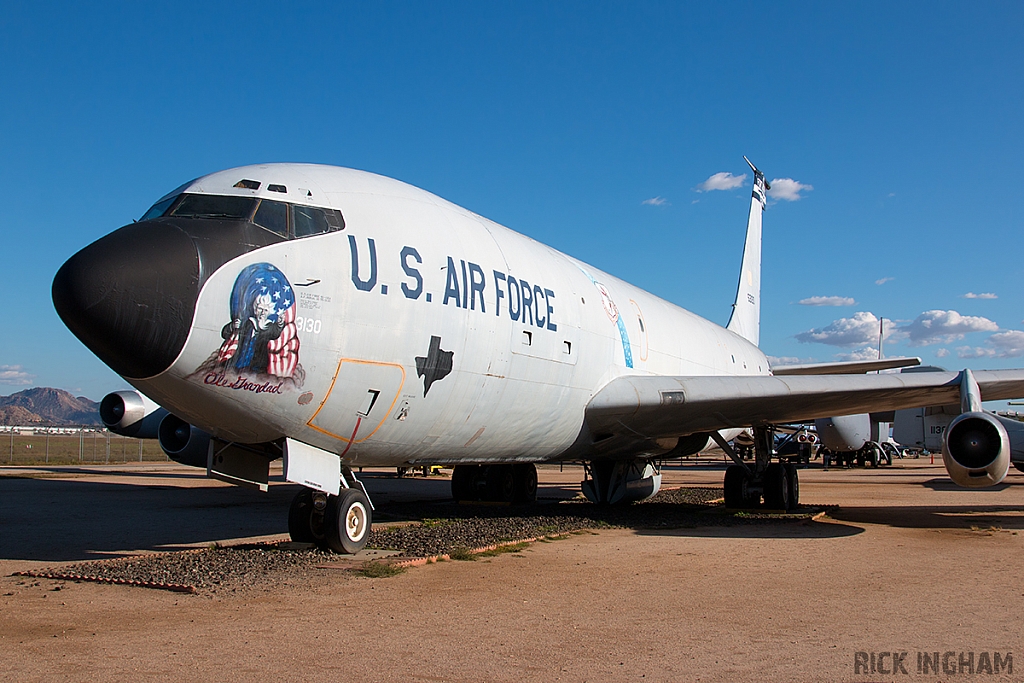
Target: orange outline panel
(309, 423)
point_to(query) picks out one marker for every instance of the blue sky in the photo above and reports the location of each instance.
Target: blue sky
(562, 121)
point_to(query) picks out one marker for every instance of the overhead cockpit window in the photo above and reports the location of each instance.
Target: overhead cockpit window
(213, 206)
(247, 184)
(273, 216)
(158, 209)
(278, 188)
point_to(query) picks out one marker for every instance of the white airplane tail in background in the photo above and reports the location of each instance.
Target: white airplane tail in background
(746, 311)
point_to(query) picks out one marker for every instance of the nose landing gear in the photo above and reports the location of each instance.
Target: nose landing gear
(340, 523)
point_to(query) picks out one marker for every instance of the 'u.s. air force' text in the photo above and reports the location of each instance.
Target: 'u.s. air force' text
(465, 286)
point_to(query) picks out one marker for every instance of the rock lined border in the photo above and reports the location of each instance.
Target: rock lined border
(57, 576)
(421, 561)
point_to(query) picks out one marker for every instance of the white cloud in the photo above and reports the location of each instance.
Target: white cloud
(827, 301)
(867, 353)
(656, 201)
(1008, 344)
(883, 280)
(942, 353)
(788, 189)
(14, 374)
(983, 295)
(722, 181)
(944, 327)
(859, 330)
(788, 360)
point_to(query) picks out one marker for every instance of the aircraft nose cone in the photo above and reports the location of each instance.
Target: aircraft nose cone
(131, 296)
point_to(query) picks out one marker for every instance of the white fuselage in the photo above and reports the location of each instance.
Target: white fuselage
(410, 267)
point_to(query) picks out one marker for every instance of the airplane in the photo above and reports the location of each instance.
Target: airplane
(338, 319)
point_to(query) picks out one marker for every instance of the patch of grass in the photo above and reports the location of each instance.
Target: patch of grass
(502, 549)
(375, 569)
(461, 554)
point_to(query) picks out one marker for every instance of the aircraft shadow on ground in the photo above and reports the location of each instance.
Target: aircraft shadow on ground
(944, 484)
(55, 520)
(43, 472)
(64, 520)
(934, 516)
(764, 529)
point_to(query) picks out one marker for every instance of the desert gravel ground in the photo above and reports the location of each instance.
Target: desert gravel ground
(906, 563)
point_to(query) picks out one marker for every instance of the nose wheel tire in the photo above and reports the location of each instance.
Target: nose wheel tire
(305, 522)
(347, 521)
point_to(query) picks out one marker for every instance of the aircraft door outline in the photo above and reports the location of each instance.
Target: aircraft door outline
(642, 326)
(372, 382)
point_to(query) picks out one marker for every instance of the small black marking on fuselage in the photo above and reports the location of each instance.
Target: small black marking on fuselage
(309, 281)
(435, 366)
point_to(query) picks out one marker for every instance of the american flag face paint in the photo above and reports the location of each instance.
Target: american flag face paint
(261, 340)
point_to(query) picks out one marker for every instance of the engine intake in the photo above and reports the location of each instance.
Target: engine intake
(977, 448)
(183, 442)
(129, 413)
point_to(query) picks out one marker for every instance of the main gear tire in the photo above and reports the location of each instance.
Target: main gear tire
(348, 520)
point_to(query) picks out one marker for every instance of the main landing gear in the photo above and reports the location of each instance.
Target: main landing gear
(495, 483)
(745, 484)
(340, 523)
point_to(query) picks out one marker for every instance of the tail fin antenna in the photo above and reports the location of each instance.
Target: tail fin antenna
(746, 310)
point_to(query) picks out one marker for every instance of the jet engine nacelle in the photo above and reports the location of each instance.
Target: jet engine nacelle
(183, 442)
(844, 433)
(979, 446)
(129, 413)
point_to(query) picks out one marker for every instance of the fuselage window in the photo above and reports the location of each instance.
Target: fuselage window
(214, 206)
(273, 216)
(158, 209)
(308, 220)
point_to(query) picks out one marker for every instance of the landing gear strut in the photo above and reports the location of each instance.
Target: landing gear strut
(778, 483)
(495, 483)
(340, 523)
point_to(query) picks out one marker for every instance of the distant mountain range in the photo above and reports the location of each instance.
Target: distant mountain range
(48, 406)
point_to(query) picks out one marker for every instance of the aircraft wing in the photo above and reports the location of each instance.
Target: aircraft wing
(849, 367)
(653, 407)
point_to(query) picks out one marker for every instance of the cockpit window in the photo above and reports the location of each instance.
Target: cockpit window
(308, 221)
(290, 221)
(158, 209)
(214, 206)
(273, 216)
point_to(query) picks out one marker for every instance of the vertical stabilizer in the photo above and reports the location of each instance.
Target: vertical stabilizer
(746, 311)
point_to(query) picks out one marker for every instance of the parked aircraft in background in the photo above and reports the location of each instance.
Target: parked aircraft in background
(337, 318)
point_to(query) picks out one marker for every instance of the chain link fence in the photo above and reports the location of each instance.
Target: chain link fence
(71, 445)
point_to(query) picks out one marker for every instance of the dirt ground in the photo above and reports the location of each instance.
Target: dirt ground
(907, 563)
